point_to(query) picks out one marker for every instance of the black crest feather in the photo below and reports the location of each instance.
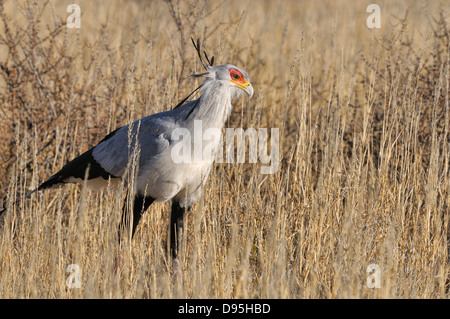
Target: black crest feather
(210, 62)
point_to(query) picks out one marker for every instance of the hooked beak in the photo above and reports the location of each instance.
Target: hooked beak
(247, 87)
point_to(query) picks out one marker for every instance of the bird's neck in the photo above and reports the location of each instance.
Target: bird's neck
(214, 106)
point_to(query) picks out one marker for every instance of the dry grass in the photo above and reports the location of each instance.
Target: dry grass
(364, 124)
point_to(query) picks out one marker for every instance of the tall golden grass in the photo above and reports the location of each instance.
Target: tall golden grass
(364, 142)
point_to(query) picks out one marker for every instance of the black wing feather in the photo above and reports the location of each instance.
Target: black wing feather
(77, 168)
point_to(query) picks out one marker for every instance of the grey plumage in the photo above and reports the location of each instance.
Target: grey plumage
(157, 175)
(149, 142)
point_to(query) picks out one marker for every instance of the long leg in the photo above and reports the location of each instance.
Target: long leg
(176, 224)
(140, 205)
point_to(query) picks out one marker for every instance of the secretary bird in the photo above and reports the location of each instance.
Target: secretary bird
(157, 177)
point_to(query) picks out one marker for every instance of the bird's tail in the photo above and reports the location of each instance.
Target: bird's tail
(27, 195)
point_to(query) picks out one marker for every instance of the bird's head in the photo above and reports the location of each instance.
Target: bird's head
(234, 76)
(229, 75)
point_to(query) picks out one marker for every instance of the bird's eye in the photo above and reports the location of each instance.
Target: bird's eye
(235, 75)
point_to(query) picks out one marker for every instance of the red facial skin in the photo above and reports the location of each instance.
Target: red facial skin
(237, 76)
